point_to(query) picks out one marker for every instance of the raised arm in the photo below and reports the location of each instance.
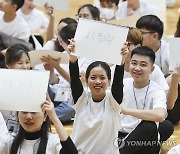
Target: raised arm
(55, 63)
(75, 82)
(117, 85)
(173, 82)
(50, 30)
(68, 146)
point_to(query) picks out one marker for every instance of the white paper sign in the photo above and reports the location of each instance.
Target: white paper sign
(22, 90)
(62, 5)
(37, 54)
(99, 41)
(174, 52)
(128, 21)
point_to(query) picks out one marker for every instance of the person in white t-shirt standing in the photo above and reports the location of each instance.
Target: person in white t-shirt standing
(144, 105)
(11, 24)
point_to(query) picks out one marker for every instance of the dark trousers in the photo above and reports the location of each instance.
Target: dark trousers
(142, 140)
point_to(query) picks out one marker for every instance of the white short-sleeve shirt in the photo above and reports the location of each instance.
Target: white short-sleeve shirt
(16, 28)
(162, 57)
(36, 20)
(150, 97)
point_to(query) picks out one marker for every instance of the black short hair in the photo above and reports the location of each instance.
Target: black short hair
(145, 51)
(93, 10)
(151, 22)
(19, 3)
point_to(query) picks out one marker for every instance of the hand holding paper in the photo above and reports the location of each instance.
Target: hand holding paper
(49, 60)
(124, 53)
(36, 56)
(99, 41)
(71, 49)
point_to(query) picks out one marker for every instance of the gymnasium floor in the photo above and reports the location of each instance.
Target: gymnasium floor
(170, 24)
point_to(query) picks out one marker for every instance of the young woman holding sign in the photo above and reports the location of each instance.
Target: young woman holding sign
(33, 136)
(97, 110)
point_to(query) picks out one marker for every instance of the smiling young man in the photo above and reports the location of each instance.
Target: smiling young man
(144, 105)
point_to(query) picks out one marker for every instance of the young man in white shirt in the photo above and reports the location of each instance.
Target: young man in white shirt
(11, 24)
(144, 105)
(152, 29)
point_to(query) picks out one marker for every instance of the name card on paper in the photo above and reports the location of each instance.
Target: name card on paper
(99, 41)
(36, 56)
(174, 52)
(23, 90)
(62, 5)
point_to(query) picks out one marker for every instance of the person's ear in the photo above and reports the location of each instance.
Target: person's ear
(152, 68)
(156, 35)
(139, 45)
(14, 7)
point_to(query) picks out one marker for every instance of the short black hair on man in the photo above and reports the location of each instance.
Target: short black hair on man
(19, 3)
(144, 51)
(152, 23)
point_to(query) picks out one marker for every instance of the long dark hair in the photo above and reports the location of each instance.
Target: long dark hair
(18, 140)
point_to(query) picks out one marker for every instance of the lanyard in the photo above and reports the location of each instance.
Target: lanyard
(144, 97)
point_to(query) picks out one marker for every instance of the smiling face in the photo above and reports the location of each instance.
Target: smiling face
(28, 6)
(31, 121)
(98, 83)
(22, 63)
(140, 69)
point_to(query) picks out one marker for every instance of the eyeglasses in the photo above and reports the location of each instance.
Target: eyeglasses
(149, 32)
(85, 15)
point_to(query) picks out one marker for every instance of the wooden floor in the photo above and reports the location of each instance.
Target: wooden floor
(172, 16)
